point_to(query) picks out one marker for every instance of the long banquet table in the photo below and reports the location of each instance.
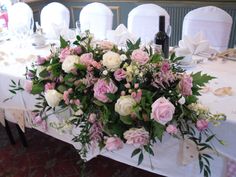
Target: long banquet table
(167, 159)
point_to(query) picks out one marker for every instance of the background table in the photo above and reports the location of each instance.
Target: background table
(166, 160)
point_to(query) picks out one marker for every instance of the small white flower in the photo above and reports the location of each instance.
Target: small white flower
(123, 57)
(181, 100)
(105, 72)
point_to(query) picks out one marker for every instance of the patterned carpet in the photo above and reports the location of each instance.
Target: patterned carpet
(49, 157)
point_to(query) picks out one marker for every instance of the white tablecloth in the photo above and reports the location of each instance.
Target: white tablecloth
(166, 157)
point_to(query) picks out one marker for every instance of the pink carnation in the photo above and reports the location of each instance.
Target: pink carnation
(171, 129)
(140, 56)
(137, 137)
(162, 110)
(202, 124)
(28, 86)
(185, 85)
(101, 88)
(119, 74)
(64, 53)
(113, 143)
(49, 86)
(40, 122)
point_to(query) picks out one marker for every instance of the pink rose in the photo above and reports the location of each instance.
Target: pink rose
(28, 86)
(86, 59)
(185, 85)
(140, 56)
(137, 137)
(105, 45)
(119, 74)
(64, 53)
(40, 60)
(49, 86)
(162, 110)
(165, 66)
(202, 124)
(77, 50)
(113, 143)
(171, 129)
(101, 88)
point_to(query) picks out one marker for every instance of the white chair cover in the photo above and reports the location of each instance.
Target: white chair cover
(20, 15)
(98, 18)
(214, 23)
(54, 18)
(143, 21)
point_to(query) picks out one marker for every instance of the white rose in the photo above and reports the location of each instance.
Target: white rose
(124, 105)
(69, 63)
(53, 97)
(111, 60)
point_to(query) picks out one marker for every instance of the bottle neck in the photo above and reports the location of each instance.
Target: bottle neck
(162, 23)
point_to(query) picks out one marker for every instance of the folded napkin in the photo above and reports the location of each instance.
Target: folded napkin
(194, 46)
(120, 35)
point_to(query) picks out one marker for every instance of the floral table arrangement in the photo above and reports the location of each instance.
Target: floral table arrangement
(118, 96)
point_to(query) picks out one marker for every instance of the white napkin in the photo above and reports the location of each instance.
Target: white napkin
(196, 45)
(120, 35)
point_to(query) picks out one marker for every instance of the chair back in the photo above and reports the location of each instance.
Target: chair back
(214, 23)
(53, 18)
(20, 16)
(143, 21)
(96, 17)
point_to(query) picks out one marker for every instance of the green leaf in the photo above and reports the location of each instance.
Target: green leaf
(111, 96)
(208, 156)
(209, 138)
(37, 88)
(201, 165)
(126, 120)
(201, 79)
(61, 88)
(63, 42)
(12, 91)
(149, 149)
(98, 103)
(135, 152)
(156, 58)
(43, 73)
(158, 130)
(13, 82)
(81, 67)
(140, 158)
(78, 38)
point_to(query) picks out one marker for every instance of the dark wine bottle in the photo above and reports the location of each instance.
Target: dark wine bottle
(161, 38)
